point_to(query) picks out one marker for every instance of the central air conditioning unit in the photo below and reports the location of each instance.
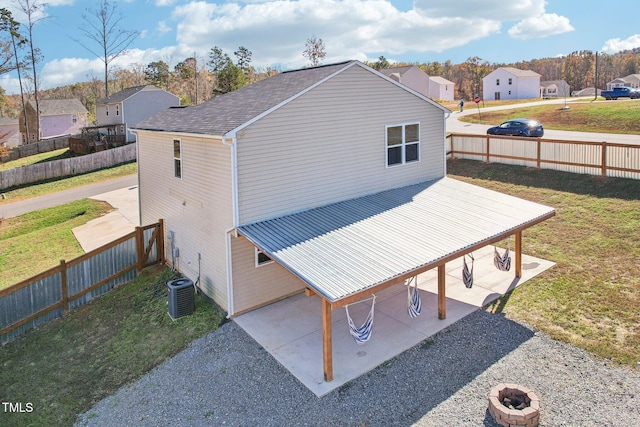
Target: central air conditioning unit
(181, 297)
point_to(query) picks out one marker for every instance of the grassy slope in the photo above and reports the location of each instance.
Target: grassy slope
(66, 366)
(591, 297)
(37, 241)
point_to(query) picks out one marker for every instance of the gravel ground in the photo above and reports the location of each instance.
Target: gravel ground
(226, 378)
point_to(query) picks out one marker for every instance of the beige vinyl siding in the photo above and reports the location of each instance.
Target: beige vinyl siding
(257, 286)
(329, 145)
(197, 208)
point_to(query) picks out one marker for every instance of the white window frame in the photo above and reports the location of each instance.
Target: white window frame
(259, 263)
(177, 161)
(403, 145)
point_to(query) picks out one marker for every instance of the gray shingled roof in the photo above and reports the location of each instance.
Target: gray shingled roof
(347, 247)
(224, 113)
(124, 94)
(400, 70)
(56, 107)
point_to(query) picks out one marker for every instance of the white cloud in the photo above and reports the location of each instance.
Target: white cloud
(276, 31)
(541, 26)
(497, 10)
(612, 46)
(164, 2)
(163, 27)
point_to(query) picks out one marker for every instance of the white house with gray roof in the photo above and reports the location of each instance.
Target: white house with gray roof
(510, 83)
(328, 180)
(132, 105)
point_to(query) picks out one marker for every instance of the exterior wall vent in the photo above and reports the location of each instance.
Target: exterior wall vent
(181, 297)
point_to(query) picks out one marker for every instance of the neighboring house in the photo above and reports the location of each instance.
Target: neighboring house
(58, 117)
(9, 133)
(329, 179)
(554, 89)
(132, 105)
(588, 91)
(510, 83)
(409, 75)
(441, 88)
(632, 81)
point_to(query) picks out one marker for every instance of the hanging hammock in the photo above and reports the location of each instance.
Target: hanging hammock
(502, 262)
(414, 305)
(467, 275)
(362, 334)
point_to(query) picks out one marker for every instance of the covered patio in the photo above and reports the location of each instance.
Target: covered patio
(372, 245)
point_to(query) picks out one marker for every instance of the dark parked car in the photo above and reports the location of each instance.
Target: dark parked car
(518, 127)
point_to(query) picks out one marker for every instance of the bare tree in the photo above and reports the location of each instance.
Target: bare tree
(11, 26)
(101, 26)
(32, 8)
(314, 50)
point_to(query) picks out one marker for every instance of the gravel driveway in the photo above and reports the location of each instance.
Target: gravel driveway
(226, 378)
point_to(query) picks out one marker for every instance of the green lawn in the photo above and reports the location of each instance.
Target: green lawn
(590, 298)
(65, 366)
(37, 241)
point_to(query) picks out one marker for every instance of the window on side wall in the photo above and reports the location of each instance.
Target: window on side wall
(510, 81)
(403, 144)
(262, 258)
(177, 158)
(497, 82)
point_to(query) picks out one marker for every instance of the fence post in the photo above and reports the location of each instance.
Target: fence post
(539, 152)
(488, 148)
(65, 288)
(604, 158)
(160, 242)
(140, 249)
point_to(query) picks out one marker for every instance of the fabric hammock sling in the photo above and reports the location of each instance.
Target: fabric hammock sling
(362, 334)
(467, 275)
(414, 305)
(502, 262)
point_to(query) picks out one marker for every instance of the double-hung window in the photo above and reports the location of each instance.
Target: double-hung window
(403, 144)
(177, 158)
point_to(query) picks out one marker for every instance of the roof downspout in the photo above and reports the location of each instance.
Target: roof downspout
(231, 142)
(444, 139)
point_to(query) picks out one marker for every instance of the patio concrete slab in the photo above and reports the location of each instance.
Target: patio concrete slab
(291, 329)
(109, 227)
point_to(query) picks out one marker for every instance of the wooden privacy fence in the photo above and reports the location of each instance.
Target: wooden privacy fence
(66, 167)
(593, 158)
(42, 146)
(52, 293)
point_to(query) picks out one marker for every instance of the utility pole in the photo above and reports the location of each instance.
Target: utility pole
(595, 84)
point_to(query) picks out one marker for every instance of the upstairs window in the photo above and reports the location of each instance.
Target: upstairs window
(497, 82)
(117, 110)
(403, 144)
(510, 81)
(107, 109)
(177, 158)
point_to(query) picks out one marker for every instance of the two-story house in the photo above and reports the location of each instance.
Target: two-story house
(330, 180)
(58, 117)
(510, 83)
(129, 106)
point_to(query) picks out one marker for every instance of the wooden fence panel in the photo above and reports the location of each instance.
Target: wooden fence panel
(54, 292)
(67, 167)
(593, 158)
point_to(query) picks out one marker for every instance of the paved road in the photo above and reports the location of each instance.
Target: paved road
(10, 209)
(456, 126)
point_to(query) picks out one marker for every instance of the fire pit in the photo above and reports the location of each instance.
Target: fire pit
(513, 405)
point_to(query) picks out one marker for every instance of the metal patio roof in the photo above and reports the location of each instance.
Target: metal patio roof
(345, 248)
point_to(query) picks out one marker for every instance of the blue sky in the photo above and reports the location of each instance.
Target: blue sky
(275, 31)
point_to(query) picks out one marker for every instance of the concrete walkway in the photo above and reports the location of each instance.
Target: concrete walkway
(113, 225)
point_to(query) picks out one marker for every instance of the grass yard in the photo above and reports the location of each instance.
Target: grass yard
(591, 297)
(66, 366)
(36, 241)
(600, 116)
